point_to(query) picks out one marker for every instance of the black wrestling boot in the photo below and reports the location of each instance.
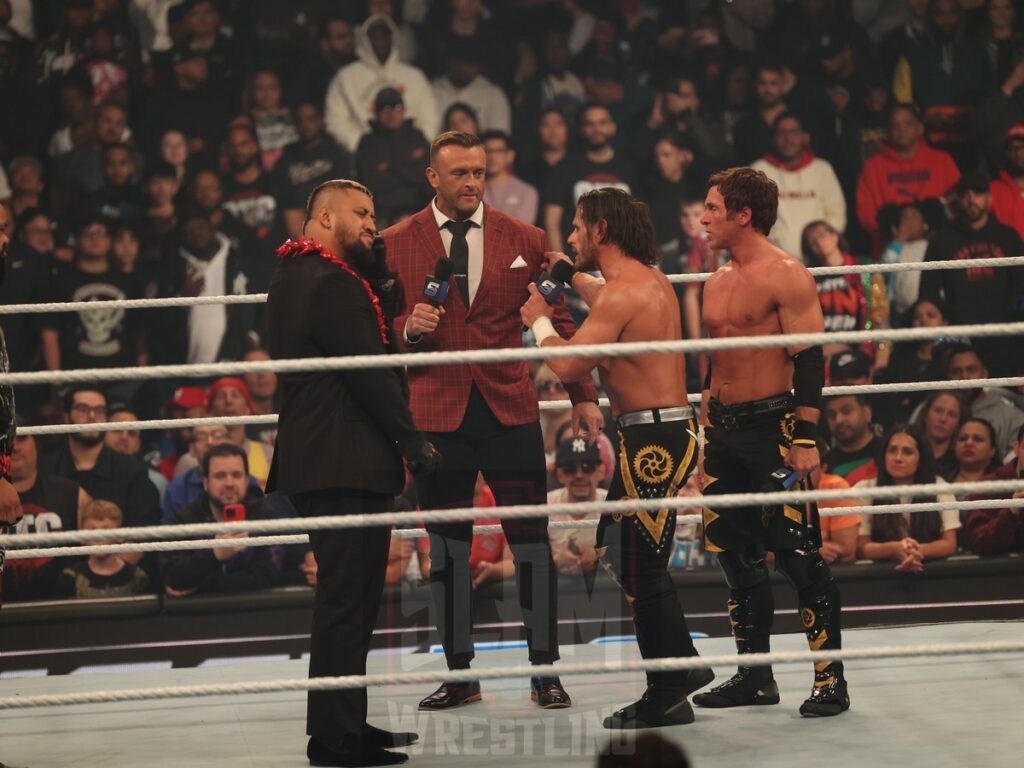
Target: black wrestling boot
(451, 695)
(750, 613)
(748, 687)
(697, 679)
(320, 754)
(820, 612)
(378, 737)
(549, 693)
(655, 709)
(829, 697)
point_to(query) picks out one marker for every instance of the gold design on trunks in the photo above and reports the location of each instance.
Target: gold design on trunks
(807, 617)
(709, 516)
(792, 514)
(709, 479)
(653, 464)
(786, 427)
(627, 478)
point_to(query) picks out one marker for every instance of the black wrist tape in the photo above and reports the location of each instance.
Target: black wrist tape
(805, 433)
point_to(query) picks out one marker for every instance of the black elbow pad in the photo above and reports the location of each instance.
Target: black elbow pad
(808, 377)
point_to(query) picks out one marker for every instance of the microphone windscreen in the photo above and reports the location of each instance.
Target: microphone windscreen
(380, 248)
(443, 269)
(563, 271)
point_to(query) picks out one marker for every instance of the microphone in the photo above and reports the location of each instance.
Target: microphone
(379, 249)
(551, 285)
(435, 286)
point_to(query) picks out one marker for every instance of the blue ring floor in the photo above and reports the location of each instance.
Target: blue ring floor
(958, 711)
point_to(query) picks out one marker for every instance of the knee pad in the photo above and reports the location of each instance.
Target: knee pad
(805, 570)
(743, 568)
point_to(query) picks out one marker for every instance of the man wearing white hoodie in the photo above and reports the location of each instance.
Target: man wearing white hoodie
(351, 94)
(808, 187)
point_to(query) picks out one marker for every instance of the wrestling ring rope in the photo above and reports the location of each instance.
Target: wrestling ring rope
(269, 532)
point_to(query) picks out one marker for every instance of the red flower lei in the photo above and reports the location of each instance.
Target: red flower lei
(306, 245)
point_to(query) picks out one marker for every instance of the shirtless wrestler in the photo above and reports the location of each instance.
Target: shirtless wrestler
(760, 408)
(612, 232)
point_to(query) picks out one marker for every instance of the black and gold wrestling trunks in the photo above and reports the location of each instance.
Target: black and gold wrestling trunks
(743, 445)
(657, 452)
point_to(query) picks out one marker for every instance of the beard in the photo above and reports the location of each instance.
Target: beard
(359, 254)
(87, 439)
(586, 258)
(974, 213)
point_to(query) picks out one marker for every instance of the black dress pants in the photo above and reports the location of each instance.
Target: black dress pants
(351, 564)
(511, 460)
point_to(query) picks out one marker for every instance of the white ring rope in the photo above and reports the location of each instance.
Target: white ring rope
(695, 277)
(480, 356)
(899, 266)
(545, 405)
(523, 670)
(419, 533)
(517, 512)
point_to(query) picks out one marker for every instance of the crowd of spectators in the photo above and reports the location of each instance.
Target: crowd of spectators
(154, 148)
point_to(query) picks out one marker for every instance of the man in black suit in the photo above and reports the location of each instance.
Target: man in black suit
(341, 439)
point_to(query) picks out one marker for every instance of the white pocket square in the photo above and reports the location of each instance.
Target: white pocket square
(519, 263)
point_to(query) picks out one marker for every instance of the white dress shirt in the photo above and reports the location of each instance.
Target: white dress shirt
(474, 238)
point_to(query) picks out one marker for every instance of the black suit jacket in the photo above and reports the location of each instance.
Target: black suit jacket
(337, 429)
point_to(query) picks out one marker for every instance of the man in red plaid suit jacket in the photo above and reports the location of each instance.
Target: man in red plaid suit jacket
(482, 418)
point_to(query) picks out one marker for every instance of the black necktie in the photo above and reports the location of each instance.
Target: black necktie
(459, 254)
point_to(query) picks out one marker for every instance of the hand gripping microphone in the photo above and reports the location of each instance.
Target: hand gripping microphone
(551, 285)
(435, 286)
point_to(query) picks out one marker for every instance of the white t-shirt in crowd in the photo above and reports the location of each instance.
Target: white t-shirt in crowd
(585, 537)
(950, 517)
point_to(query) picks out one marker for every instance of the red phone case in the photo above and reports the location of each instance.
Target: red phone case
(234, 513)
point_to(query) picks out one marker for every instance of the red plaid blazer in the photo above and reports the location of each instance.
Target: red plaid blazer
(439, 394)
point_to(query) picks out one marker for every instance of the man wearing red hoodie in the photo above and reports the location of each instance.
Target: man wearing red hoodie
(905, 170)
(1007, 190)
(808, 187)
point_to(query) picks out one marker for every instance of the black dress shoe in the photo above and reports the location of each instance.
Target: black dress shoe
(378, 737)
(656, 708)
(549, 693)
(451, 695)
(365, 755)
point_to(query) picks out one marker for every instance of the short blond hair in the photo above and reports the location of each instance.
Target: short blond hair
(100, 509)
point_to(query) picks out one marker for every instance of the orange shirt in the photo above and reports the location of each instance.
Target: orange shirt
(828, 524)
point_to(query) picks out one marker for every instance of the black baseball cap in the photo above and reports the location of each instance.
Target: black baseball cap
(576, 449)
(852, 364)
(388, 97)
(975, 181)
